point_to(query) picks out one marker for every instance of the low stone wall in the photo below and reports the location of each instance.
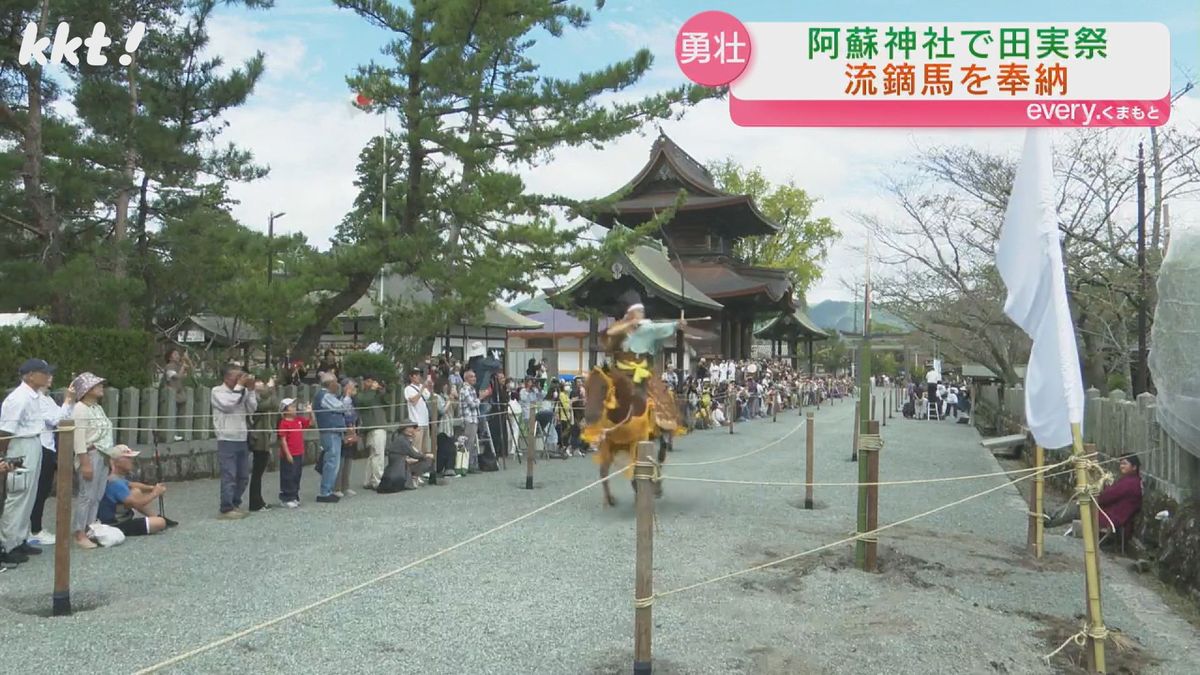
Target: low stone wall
(1171, 472)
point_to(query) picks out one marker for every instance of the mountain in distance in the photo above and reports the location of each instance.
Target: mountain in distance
(846, 316)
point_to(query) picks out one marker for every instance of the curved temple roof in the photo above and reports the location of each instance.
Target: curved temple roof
(656, 186)
(650, 266)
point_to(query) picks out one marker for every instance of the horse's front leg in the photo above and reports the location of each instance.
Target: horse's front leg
(662, 459)
(608, 498)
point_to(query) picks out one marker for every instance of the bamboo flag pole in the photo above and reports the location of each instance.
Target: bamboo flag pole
(864, 416)
(1096, 632)
(1037, 524)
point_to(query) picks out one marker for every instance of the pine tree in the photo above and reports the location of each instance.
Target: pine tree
(473, 110)
(151, 125)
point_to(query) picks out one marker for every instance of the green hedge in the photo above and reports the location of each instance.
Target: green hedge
(357, 364)
(123, 357)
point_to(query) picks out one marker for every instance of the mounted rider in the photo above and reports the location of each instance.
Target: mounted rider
(634, 341)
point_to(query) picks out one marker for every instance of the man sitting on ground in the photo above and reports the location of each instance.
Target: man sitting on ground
(1119, 502)
(405, 463)
(127, 505)
(718, 415)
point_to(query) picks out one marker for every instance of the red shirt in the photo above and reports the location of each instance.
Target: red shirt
(1120, 501)
(292, 433)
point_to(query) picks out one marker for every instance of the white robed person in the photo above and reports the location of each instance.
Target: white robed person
(634, 341)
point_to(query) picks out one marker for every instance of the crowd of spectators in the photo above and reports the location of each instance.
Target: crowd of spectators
(442, 434)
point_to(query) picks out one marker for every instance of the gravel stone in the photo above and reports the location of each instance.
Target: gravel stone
(554, 594)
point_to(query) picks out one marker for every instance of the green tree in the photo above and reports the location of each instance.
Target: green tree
(802, 243)
(834, 355)
(152, 129)
(473, 109)
(884, 363)
(48, 192)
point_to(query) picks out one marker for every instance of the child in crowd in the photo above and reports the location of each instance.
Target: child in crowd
(291, 450)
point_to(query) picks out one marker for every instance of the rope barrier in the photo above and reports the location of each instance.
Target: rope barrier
(743, 455)
(840, 542)
(370, 582)
(870, 443)
(88, 426)
(1080, 639)
(256, 413)
(643, 603)
(914, 481)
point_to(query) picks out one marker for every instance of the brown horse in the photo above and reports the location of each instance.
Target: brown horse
(616, 418)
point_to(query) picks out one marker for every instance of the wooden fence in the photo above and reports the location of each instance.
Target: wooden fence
(1116, 426)
(152, 418)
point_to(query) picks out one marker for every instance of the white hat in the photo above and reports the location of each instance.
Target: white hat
(636, 306)
(283, 405)
(474, 349)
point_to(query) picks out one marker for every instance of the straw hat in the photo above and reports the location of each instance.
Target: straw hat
(85, 382)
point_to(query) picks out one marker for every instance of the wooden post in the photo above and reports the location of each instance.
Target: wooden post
(530, 438)
(872, 462)
(431, 435)
(149, 417)
(1035, 537)
(1095, 615)
(808, 462)
(730, 407)
(883, 408)
(853, 440)
(643, 475)
(61, 599)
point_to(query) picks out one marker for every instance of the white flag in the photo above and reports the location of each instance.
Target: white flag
(1030, 262)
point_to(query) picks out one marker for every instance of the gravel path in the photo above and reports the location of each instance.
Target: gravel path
(553, 594)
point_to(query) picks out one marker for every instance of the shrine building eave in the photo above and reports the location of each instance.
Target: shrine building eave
(645, 270)
(727, 281)
(790, 325)
(735, 216)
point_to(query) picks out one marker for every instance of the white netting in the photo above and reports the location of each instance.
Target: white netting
(1175, 340)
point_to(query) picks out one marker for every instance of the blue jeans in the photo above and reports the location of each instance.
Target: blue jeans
(234, 459)
(289, 479)
(331, 444)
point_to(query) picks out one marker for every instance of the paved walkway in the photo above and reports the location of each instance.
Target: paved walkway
(553, 593)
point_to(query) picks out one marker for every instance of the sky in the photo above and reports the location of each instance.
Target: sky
(301, 124)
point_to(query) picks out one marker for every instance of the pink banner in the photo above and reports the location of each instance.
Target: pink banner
(951, 113)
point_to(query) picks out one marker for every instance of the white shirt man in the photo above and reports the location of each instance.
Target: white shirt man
(417, 395)
(22, 421)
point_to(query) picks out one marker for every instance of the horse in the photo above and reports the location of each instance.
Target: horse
(616, 419)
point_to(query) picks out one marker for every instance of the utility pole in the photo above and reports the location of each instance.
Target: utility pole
(1140, 378)
(383, 221)
(270, 277)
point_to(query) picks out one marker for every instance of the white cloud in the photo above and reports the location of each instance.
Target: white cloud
(312, 149)
(237, 40)
(313, 146)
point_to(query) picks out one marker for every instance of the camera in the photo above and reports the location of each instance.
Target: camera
(15, 462)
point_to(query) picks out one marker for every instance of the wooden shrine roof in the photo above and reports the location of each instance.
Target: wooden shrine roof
(656, 187)
(787, 325)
